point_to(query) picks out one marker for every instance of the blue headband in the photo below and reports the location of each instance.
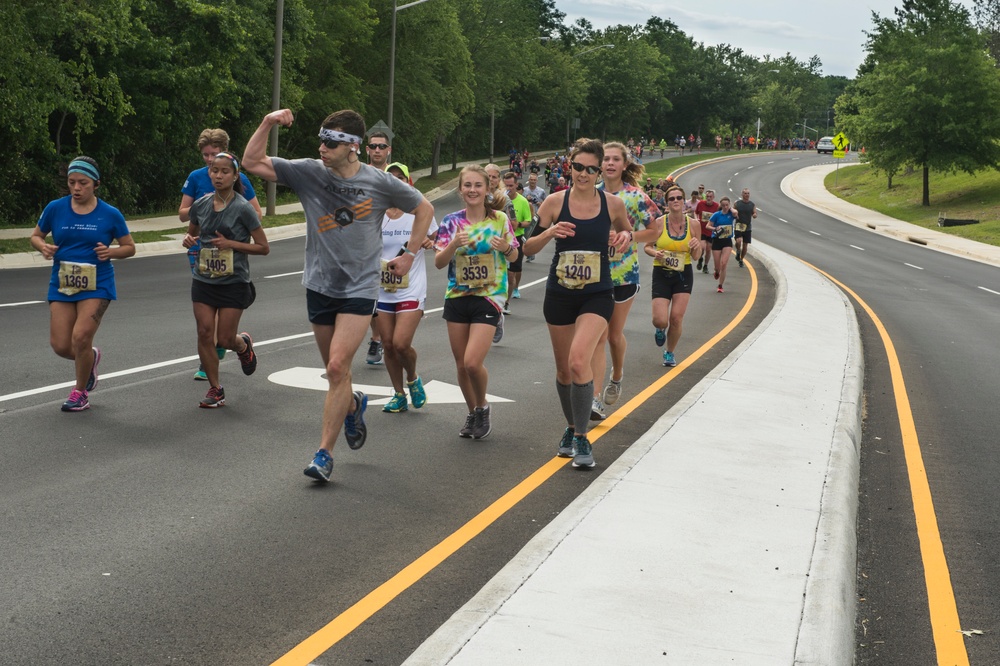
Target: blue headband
(86, 168)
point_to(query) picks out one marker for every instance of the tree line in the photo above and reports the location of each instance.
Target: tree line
(133, 82)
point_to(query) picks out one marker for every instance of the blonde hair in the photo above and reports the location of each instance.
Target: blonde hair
(494, 200)
(633, 173)
(213, 137)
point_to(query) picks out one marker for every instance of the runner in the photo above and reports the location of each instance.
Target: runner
(722, 224)
(211, 142)
(83, 280)
(672, 273)
(622, 177)
(476, 244)
(519, 212)
(222, 226)
(702, 212)
(746, 213)
(344, 202)
(579, 294)
(401, 302)
(379, 151)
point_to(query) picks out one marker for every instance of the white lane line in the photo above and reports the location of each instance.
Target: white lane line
(991, 291)
(133, 371)
(815, 233)
(268, 277)
(771, 162)
(187, 359)
(858, 248)
(11, 305)
(912, 266)
(782, 220)
(750, 167)
(736, 174)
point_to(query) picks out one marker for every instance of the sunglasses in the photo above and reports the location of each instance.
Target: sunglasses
(589, 169)
(675, 198)
(333, 145)
(377, 146)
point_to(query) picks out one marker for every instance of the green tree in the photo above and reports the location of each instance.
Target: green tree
(926, 93)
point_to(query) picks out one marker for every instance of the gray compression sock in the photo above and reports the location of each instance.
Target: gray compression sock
(583, 398)
(564, 399)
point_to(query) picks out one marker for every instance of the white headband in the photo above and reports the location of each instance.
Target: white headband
(343, 137)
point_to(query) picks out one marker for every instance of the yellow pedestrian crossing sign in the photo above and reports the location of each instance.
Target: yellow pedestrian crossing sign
(840, 141)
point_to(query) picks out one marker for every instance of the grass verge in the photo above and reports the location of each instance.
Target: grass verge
(958, 196)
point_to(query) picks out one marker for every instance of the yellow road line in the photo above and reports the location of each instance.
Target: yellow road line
(342, 625)
(948, 641)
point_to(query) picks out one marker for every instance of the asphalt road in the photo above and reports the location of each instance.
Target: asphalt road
(148, 531)
(943, 323)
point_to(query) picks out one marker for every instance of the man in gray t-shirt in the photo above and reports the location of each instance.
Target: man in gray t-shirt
(344, 202)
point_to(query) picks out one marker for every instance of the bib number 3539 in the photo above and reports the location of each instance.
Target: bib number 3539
(475, 270)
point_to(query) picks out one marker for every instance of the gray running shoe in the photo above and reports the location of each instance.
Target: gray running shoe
(481, 427)
(470, 422)
(566, 444)
(612, 392)
(498, 336)
(374, 356)
(355, 428)
(321, 467)
(597, 411)
(583, 453)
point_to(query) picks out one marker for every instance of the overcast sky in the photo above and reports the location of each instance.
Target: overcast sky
(832, 30)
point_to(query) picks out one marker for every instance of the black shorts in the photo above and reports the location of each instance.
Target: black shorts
(562, 308)
(706, 237)
(721, 243)
(515, 266)
(624, 293)
(471, 310)
(237, 295)
(745, 235)
(667, 283)
(323, 310)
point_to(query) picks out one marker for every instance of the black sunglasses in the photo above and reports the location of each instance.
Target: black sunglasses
(589, 169)
(675, 198)
(378, 146)
(333, 145)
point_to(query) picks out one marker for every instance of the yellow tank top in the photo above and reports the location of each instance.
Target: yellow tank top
(668, 243)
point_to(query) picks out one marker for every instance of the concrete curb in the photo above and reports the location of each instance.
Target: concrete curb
(825, 633)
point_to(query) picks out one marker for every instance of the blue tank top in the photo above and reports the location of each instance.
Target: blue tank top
(588, 246)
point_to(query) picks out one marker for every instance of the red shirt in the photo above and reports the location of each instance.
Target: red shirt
(704, 211)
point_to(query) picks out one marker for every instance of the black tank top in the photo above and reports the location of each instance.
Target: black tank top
(591, 235)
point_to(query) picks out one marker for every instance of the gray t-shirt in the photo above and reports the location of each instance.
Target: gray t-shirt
(236, 221)
(344, 223)
(744, 211)
(535, 196)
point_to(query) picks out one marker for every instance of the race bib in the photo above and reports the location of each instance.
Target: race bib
(705, 216)
(577, 269)
(724, 232)
(390, 281)
(672, 261)
(741, 226)
(74, 278)
(215, 263)
(475, 270)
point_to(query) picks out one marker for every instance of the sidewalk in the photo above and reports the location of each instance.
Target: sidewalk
(737, 548)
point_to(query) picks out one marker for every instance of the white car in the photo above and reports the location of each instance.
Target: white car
(825, 145)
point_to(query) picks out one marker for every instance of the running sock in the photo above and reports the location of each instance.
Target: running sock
(582, 397)
(565, 400)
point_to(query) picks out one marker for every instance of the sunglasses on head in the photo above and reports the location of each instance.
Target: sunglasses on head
(677, 198)
(589, 169)
(378, 146)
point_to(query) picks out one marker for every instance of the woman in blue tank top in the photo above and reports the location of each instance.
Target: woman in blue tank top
(579, 298)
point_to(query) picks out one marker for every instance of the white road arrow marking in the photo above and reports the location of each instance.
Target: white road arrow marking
(438, 393)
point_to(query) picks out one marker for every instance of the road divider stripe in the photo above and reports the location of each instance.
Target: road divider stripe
(342, 625)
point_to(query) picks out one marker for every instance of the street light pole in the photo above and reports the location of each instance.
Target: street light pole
(272, 187)
(392, 55)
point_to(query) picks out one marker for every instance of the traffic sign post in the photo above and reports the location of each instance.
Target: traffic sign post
(840, 144)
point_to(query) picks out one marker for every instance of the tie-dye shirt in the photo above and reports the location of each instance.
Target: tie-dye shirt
(480, 234)
(642, 212)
